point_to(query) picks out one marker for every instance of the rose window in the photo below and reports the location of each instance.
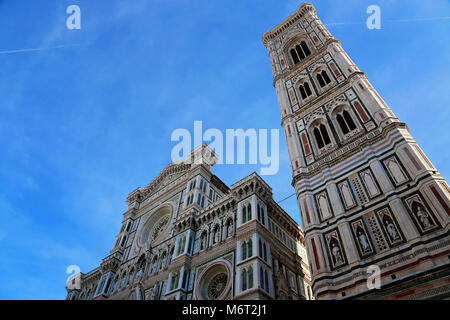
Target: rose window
(217, 286)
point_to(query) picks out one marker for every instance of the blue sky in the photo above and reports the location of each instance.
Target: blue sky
(84, 125)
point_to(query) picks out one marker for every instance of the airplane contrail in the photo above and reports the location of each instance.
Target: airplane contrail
(36, 49)
(396, 20)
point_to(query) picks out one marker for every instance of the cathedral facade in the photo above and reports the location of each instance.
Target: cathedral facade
(373, 207)
(188, 236)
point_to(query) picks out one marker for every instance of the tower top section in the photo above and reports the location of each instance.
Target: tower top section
(302, 10)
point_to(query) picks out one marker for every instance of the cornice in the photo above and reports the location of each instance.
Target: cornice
(289, 21)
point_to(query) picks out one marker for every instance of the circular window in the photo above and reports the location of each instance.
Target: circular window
(155, 225)
(217, 286)
(159, 227)
(214, 282)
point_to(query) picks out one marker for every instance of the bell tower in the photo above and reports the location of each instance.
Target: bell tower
(372, 205)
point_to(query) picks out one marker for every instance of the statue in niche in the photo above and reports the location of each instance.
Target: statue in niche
(216, 235)
(230, 229)
(423, 216)
(336, 253)
(392, 230)
(363, 241)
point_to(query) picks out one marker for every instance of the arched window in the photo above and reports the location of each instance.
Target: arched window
(294, 56)
(326, 77)
(325, 136)
(106, 291)
(244, 279)
(249, 212)
(318, 137)
(349, 120)
(321, 134)
(124, 238)
(305, 90)
(266, 280)
(260, 253)
(261, 278)
(305, 48)
(323, 78)
(302, 91)
(249, 248)
(345, 122)
(320, 79)
(244, 251)
(342, 124)
(250, 277)
(300, 52)
(258, 209)
(244, 214)
(265, 252)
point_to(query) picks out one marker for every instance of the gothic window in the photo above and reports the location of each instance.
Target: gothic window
(106, 290)
(246, 249)
(321, 135)
(323, 78)
(244, 279)
(183, 282)
(300, 52)
(266, 280)
(264, 252)
(217, 286)
(345, 121)
(260, 253)
(305, 90)
(261, 278)
(174, 281)
(260, 213)
(204, 186)
(249, 248)
(203, 202)
(128, 226)
(246, 213)
(318, 137)
(124, 238)
(250, 277)
(181, 245)
(305, 48)
(243, 251)
(294, 56)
